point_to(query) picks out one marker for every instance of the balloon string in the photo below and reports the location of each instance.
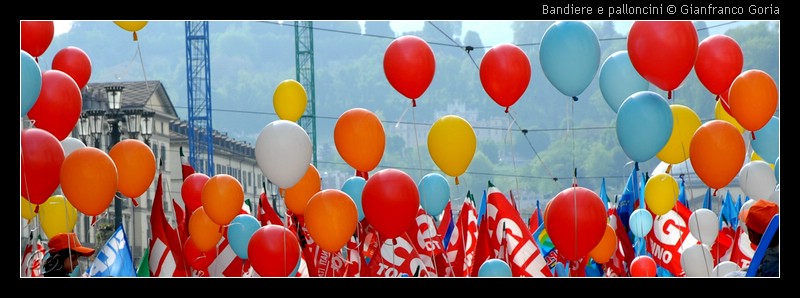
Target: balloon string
(416, 139)
(401, 117)
(141, 62)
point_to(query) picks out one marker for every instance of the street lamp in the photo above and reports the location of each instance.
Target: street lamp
(83, 128)
(148, 122)
(273, 193)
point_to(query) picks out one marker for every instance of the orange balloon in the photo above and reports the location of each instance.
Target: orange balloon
(331, 217)
(89, 180)
(203, 231)
(602, 253)
(717, 153)
(360, 139)
(136, 166)
(222, 196)
(298, 195)
(753, 98)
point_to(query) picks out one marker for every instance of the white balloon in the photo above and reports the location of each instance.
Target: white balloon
(71, 144)
(775, 197)
(697, 261)
(723, 268)
(704, 226)
(283, 152)
(743, 211)
(757, 179)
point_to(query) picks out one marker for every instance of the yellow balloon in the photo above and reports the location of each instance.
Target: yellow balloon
(57, 215)
(684, 123)
(451, 143)
(26, 208)
(290, 100)
(661, 193)
(721, 114)
(131, 26)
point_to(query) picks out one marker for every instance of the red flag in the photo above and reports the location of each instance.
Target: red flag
(266, 214)
(445, 223)
(183, 222)
(669, 237)
(743, 249)
(463, 242)
(723, 246)
(32, 258)
(506, 225)
(166, 256)
(483, 250)
(186, 168)
(624, 255)
(425, 239)
(397, 256)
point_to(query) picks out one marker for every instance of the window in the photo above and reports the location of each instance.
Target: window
(164, 153)
(155, 151)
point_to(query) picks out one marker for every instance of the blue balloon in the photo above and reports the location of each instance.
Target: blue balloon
(494, 268)
(353, 187)
(644, 124)
(240, 230)
(30, 79)
(641, 222)
(570, 55)
(778, 169)
(434, 193)
(767, 140)
(618, 79)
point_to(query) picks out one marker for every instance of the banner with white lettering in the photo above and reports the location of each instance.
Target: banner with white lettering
(669, 237)
(425, 239)
(114, 259)
(395, 257)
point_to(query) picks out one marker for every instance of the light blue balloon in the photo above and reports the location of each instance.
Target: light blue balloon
(494, 268)
(618, 79)
(30, 79)
(778, 169)
(644, 124)
(570, 55)
(353, 187)
(641, 222)
(767, 140)
(434, 193)
(240, 230)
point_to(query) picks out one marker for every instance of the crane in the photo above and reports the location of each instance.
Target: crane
(198, 82)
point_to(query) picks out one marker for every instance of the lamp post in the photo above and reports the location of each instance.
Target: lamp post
(273, 193)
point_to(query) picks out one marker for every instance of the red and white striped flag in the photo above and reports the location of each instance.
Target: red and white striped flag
(617, 266)
(266, 214)
(227, 263)
(510, 239)
(186, 167)
(166, 255)
(32, 258)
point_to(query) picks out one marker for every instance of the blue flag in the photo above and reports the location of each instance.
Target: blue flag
(625, 203)
(682, 193)
(707, 200)
(482, 208)
(114, 259)
(539, 213)
(603, 194)
(729, 212)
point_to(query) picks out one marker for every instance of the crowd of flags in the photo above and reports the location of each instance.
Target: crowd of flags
(454, 246)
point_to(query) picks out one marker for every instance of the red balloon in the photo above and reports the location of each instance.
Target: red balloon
(59, 104)
(197, 259)
(505, 74)
(41, 157)
(35, 36)
(643, 266)
(74, 62)
(663, 52)
(273, 251)
(191, 191)
(390, 201)
(719, 61)
(576, 220)
(409, 65)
